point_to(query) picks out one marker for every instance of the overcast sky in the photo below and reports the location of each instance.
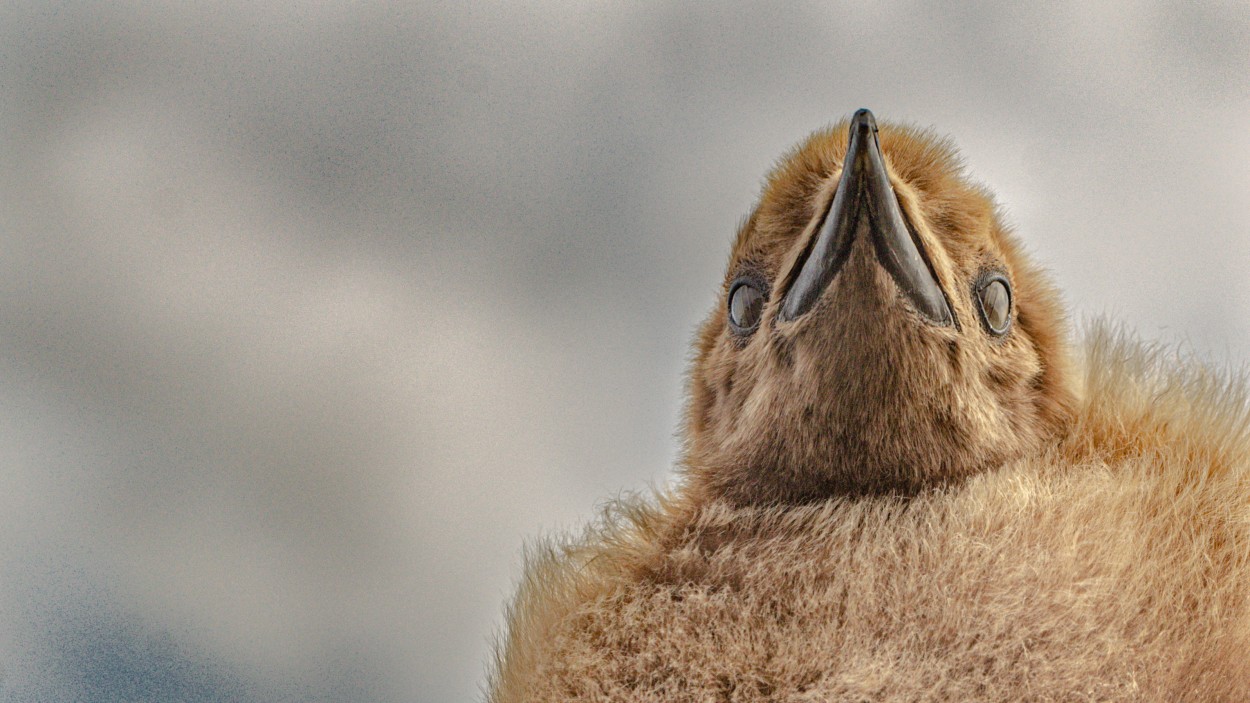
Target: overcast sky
(313, 315)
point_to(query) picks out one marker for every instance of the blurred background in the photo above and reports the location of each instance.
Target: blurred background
(314, 314)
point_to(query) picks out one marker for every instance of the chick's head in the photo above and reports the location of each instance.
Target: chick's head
(878, 331)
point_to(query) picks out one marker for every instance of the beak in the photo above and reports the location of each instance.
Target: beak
(865, 203)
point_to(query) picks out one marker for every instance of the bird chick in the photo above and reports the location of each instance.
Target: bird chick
(879, 331)
(898, 486)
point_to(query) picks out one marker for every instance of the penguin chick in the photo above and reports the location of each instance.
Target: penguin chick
(897, 487)
(879, 331)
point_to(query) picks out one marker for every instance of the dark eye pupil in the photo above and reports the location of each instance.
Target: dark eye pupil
(746, 303)
(996, 305)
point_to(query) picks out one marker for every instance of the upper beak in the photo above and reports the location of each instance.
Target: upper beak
(865, 200)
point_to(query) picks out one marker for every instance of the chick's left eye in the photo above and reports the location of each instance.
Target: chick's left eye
(746, 304)
(995, 299)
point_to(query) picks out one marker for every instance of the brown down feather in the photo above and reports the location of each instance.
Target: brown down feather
(876, 509)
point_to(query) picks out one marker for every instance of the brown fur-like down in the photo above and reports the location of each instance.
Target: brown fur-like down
(875, 508)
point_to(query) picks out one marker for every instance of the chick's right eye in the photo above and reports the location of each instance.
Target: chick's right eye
(746, 305)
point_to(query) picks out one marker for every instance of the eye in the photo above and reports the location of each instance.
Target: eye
(994, 301)
(746, 305)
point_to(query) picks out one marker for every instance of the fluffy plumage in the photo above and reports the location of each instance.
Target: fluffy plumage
(1079, 535)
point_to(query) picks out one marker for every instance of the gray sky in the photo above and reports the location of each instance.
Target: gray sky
(313, 314)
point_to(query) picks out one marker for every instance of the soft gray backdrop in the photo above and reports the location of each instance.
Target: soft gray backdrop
(312, 314)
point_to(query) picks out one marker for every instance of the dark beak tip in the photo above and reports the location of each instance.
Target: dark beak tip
(863, 121)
